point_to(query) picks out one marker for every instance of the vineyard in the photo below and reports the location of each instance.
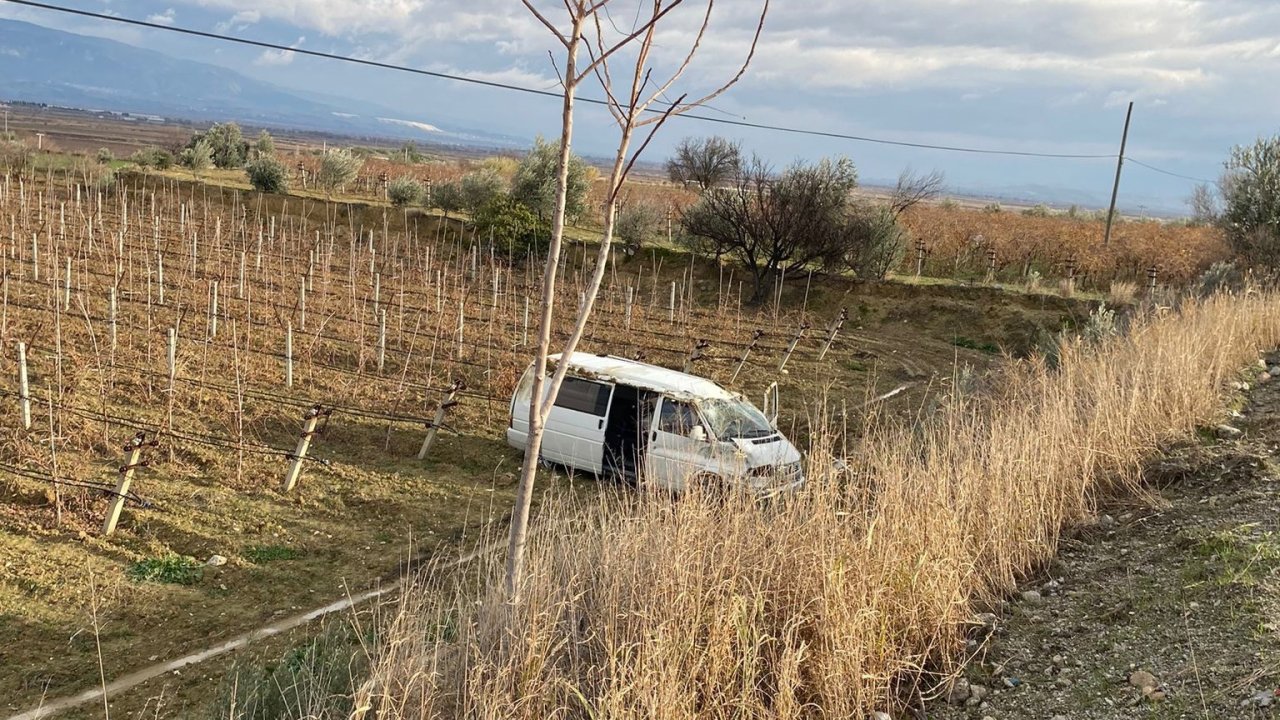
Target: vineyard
(963, 243)
(212, 332)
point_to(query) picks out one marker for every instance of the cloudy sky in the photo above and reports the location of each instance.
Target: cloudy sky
(1048, 76)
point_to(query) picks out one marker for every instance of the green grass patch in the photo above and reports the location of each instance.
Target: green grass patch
(259, 554)
(971, 344)
(175, 569)
(1235, 557)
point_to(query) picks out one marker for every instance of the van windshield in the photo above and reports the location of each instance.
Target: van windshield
(733, 418)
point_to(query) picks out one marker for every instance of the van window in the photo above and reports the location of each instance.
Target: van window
(584, 396)
(677, 418)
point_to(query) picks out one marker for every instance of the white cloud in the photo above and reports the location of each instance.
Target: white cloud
(279, 57)
(165, 18)
(239, 21)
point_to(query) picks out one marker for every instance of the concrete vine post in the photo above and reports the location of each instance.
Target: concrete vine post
(631, 108)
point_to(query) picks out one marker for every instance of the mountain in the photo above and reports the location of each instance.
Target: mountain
(43, 65)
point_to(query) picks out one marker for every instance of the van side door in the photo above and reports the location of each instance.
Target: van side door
(575, 429)
(674, 457)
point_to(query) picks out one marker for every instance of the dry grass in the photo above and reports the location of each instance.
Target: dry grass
(1122, 293)
(857, 595)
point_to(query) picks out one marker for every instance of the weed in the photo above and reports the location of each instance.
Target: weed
(259, 554)
(970, 344)
(175, 569)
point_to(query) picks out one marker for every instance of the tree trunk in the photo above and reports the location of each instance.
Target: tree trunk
(519, 535)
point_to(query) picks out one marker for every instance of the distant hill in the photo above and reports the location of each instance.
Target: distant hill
(43, 65)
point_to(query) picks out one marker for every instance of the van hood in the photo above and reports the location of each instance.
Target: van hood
(775, 449)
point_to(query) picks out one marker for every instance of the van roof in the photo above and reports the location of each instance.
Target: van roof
(643, 375)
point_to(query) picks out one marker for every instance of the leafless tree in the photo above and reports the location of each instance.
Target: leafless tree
(1205, 204)
(641, 105)
(913, 189)
(704, 162)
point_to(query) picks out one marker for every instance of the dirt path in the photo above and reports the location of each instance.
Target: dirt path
(1164, 610)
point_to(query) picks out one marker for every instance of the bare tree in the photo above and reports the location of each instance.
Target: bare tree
(913, 189)
(1205, 205)
(632, 110)
(704, 162)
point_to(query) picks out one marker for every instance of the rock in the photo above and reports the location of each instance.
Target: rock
(1262, 699)
(959, 692)
(1226, 432)
(1032, 597)
(1241, 386)
(1107, 521)
(1143, 680)
(1264, 378)
(1012, 682)
(880, 715)
(988, 621)
(1059, 717)
(977, 693)
(1274, 371)
(216, 561)
(1156, 695)
(1058, 659)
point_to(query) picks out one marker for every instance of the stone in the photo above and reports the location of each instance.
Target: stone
(1274, 371)
(959, 692)
(1264, 378)
(1107, 521)
(977, 693)
(880, 715)
(216, 561)
(1032, 597)
(1143, 680)
(1227, 432)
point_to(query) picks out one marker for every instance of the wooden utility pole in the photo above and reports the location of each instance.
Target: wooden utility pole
(1115, 189)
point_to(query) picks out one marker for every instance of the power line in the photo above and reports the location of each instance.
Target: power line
(547, 93)
(1170, 173)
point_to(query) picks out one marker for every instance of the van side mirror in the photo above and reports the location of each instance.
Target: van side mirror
(771, 404)
(697, 434)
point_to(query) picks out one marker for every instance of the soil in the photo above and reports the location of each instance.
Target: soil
(1169, 608)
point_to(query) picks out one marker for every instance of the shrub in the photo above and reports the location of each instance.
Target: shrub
(479, 188)
(198, 157)
(446, 197)
(875, 242)
(152, 156)
(268, 175)
(105, 156)
(1221, 277)
(227, 146)
(513, 227)
(405, 191)
(1251, 189)
(105, 182)
(636, 223)
(15, 156)
(265, 144)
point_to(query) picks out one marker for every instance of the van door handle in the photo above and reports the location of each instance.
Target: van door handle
(601, 425)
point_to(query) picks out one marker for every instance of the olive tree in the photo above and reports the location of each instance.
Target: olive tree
(481, 187)
(537, 177)
(1251, 195)
(773, 221)
(267, 174)
(405, 191)
(227, 146)
(337, 168)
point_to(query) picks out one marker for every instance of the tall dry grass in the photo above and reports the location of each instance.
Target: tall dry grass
(854, 596)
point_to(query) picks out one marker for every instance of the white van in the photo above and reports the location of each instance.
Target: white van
(659, 427)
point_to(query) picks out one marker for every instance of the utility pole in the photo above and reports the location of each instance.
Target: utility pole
(1115, 190)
